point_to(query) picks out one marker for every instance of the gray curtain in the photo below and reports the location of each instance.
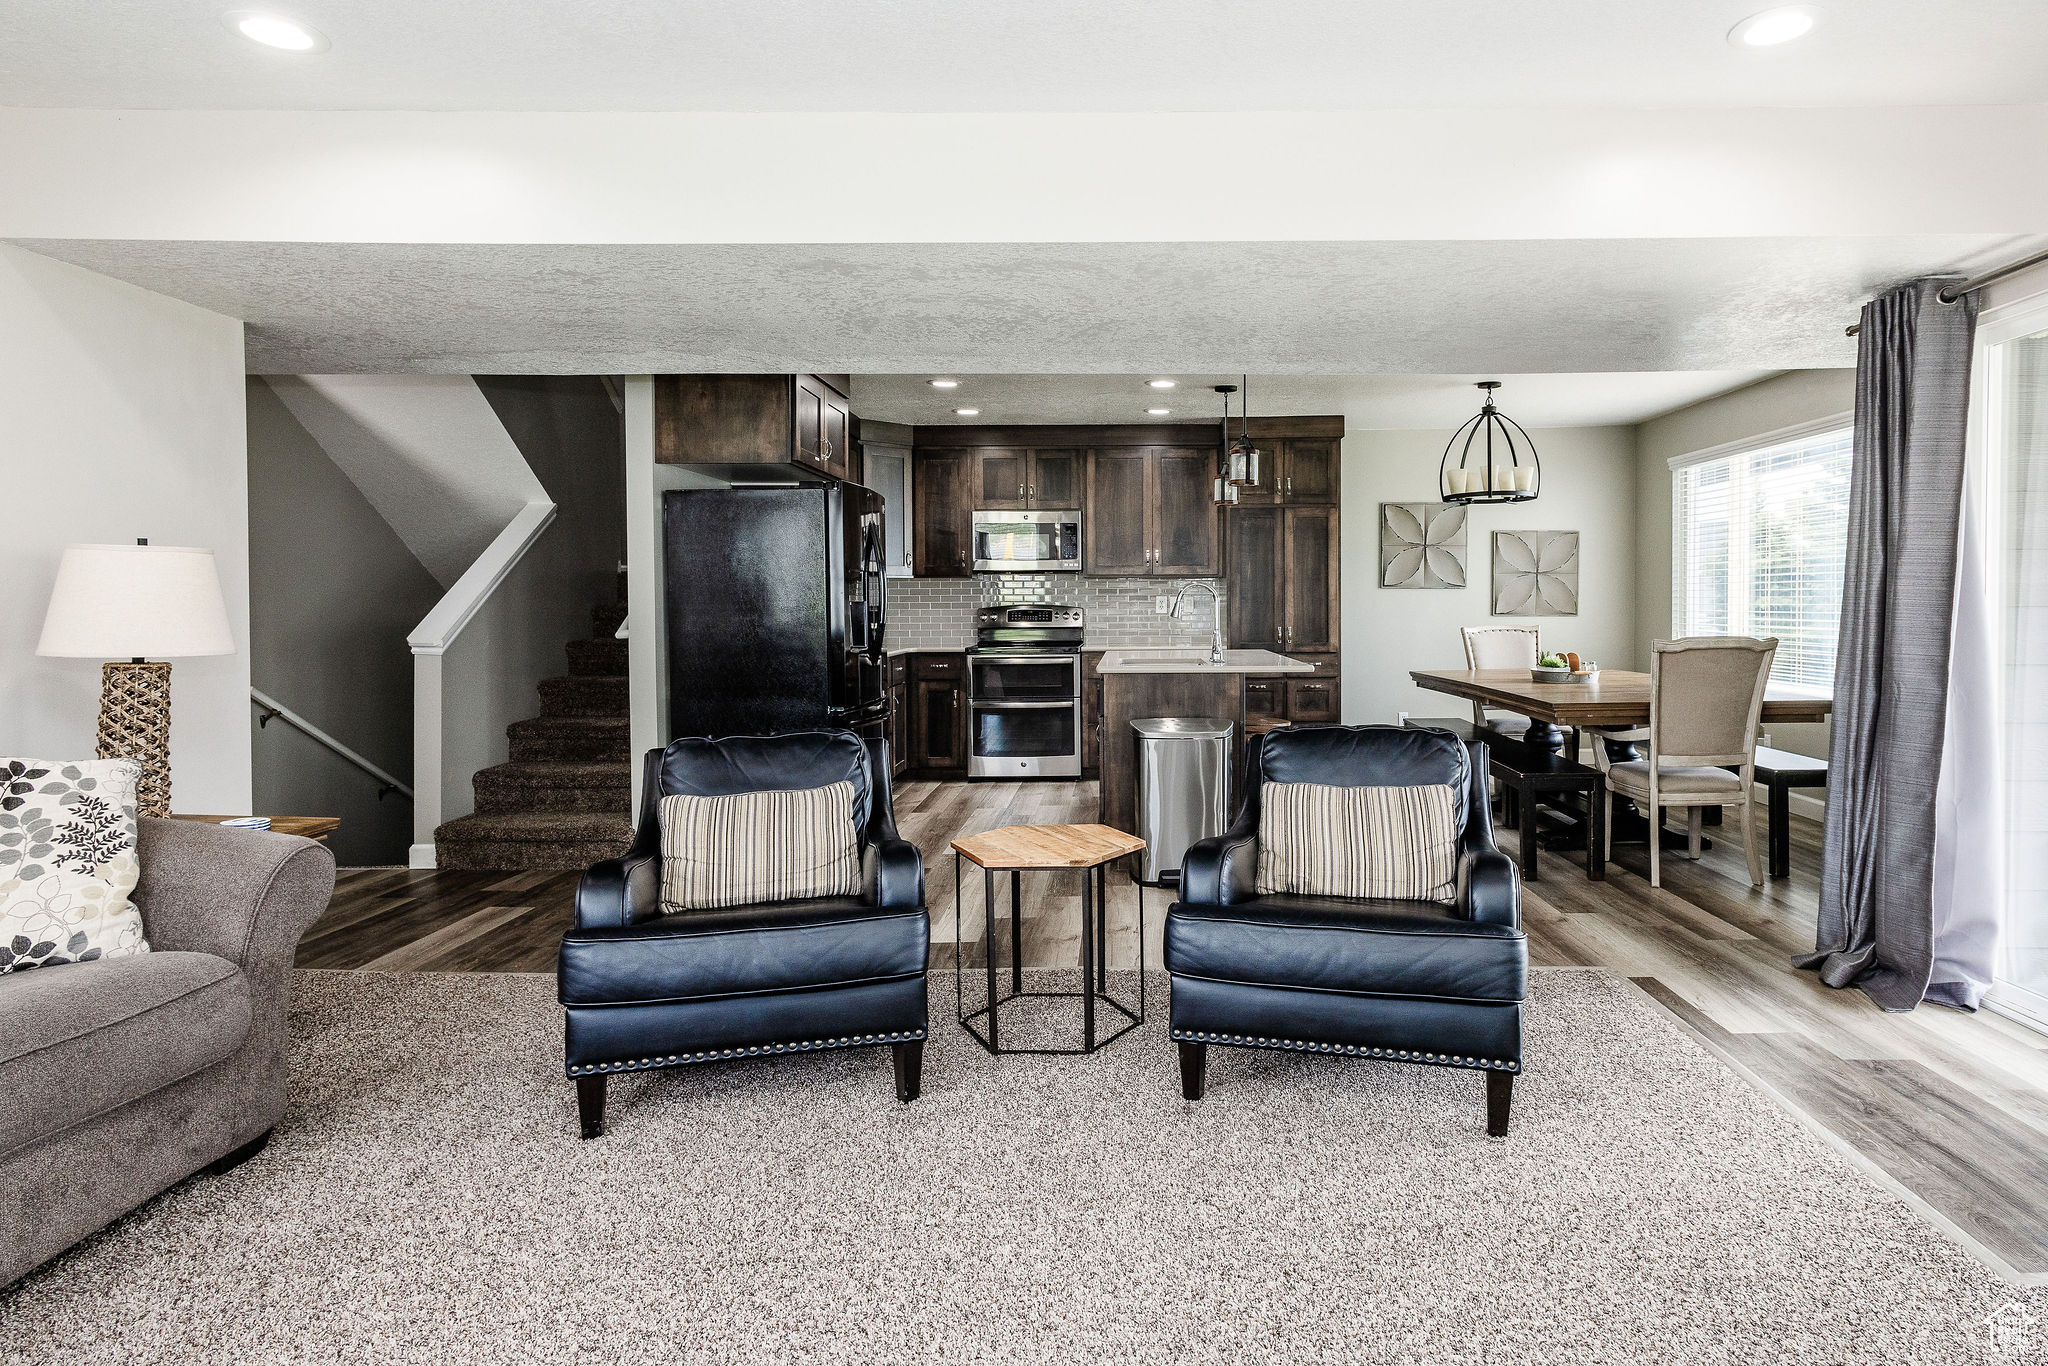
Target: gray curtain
(1876, 926)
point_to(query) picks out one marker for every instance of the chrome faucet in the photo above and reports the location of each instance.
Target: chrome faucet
(1215, 606)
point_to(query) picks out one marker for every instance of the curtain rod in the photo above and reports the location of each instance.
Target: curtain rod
(1950, 293)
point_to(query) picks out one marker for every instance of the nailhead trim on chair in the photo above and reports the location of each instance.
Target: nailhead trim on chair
(1355, 1050)
(718, 1054)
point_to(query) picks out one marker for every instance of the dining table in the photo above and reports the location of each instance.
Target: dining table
(1609, 699)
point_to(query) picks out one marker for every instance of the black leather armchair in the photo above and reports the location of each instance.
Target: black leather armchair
(645, 990)
(1401, 981)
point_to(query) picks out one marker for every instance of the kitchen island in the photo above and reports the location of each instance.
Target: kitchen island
(1178, 682)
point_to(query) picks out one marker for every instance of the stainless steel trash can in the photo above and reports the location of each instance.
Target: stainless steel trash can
(1183, 786)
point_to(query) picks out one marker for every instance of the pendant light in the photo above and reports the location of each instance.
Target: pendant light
(1225, 487)
(1496, 460)
(1240, 456)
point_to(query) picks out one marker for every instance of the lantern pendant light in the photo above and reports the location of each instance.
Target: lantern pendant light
(1496, 460)
(1240, 456)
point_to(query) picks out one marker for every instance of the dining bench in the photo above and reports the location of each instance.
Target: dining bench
(1529, 771)
(1778, 771)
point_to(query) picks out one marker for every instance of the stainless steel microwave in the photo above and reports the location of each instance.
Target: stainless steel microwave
(1028, 542)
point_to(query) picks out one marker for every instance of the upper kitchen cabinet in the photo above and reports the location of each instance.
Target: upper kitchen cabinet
(1011, 479)
(1298, 462)
(732, 426)
(960, 470)
(942, 486)
(1116, 530)
(1149, 510)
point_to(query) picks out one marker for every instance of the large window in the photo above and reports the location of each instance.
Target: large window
(1757, 541)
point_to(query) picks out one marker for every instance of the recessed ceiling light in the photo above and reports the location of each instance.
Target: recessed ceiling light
(1775, 26)
(945, 384)
(1160, 383)
(274, 30)
(1159, 412)
(967, 412)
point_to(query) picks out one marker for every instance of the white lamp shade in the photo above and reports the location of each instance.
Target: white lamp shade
(136, 601)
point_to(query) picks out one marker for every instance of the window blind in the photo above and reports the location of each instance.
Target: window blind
(1758, 538)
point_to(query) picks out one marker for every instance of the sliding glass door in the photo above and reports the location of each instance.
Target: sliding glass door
(2014, 405)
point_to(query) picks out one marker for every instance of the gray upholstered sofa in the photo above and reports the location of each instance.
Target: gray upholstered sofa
(120, 1078)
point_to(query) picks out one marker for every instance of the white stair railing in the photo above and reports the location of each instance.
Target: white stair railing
(431, 639)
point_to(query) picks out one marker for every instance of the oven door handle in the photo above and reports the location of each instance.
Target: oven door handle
(1070, 660)
(980, 704)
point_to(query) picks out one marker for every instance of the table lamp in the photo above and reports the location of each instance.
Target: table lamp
(137, 600)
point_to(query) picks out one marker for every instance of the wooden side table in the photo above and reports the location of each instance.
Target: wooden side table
(1017, 849)
(307, 827)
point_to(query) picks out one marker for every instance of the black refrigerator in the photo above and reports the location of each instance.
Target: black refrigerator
(776, 602)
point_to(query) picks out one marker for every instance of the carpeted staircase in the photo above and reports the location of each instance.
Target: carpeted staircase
(564, 800)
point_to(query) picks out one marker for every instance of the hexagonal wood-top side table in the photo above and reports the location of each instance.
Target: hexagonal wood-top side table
(1016, 850)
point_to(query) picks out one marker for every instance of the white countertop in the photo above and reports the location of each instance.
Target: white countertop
(1182, 660)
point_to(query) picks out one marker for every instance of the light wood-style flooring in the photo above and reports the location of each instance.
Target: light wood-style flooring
(1949, 1109)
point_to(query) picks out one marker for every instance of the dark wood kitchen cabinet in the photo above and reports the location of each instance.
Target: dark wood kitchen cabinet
(1282, 585)
(899, 716)
(1012, 478)
(1308, 555)
(732, 425)
(1149, 510)
(1299, 460)
(938, 686)
(1254, 609)
(942, 520)
(1300, 699)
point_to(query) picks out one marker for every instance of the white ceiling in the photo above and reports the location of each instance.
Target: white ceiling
(943, 55)
(1369, 402)
(1278, 308)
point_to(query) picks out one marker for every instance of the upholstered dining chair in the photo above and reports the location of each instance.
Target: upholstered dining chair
(1706, 693)
(645, 985)
(1501, 647)
(1379, 971)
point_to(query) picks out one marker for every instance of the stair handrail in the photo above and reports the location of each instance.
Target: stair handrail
(467, 595)
(274, 710)
(431, 639)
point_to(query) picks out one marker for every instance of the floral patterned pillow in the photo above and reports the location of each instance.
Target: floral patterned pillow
(67, 862)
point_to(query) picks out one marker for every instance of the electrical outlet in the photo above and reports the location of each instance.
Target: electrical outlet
(1161, 604)
(1403, 718)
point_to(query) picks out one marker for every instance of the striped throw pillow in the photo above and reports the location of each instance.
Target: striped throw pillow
(1397, 842)
(758, 846)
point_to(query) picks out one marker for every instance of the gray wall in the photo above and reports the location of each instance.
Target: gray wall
(1589, 486)
(1754, 410)
(574, 439)
(333, 592)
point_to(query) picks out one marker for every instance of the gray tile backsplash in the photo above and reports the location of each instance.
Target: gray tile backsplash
(938, 614)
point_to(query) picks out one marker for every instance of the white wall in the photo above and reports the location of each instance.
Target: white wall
(1589, 477)
(121, 415)
(1389, 175)
(1767, 406)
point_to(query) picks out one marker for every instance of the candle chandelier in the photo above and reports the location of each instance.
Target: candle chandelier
(1496, 460)
(1240, 456)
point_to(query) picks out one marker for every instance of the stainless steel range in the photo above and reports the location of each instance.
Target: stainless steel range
(1024, 692)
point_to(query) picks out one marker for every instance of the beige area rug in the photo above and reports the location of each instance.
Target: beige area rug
(427, 1200)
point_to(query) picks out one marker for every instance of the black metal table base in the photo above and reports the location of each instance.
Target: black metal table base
(1094, 962)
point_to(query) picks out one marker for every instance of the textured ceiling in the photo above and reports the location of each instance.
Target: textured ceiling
(941, 55)
(1369, 402)
(1301, 308)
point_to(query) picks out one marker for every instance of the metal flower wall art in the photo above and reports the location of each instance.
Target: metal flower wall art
(1535, 573)
(1422, 545)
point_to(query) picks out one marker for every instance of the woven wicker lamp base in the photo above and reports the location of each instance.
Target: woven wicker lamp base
(135, 723)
